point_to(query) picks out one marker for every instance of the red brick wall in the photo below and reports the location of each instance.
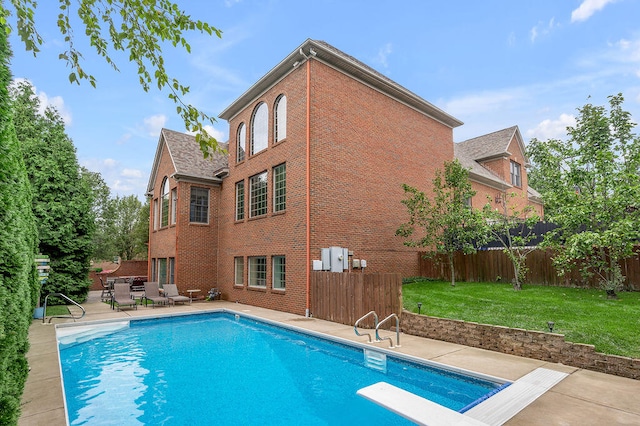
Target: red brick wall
(281, 233)
(364, 146)
(194, 246)
(502, 168)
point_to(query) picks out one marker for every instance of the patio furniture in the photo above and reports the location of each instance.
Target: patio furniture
(107, 290)
(121, 296)
(171, 292)
(152, 293)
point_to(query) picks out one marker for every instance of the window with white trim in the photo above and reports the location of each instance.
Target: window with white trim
(258, 271)
(238, 264)
(199, 205)
(174, 205)
(172, 269)
(280, 188)
(278, 272)
(156, 214)
(516, 179)
(280, 119)
(240, 200)
(260, 128)
(258, 195)
(241, 139)
(164, 215)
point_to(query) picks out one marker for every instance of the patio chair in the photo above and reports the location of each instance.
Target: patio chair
(171, 292)
(121, 296)
(152, 293)
(107, 290)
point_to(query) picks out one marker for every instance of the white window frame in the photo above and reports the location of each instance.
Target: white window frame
(241, 140)
(258, 195)
(280, 119)
(238, 271)
(278, 272)
(260, 128)
(257, 271)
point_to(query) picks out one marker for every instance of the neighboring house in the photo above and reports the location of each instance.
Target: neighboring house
(318, 151)
(497, 166)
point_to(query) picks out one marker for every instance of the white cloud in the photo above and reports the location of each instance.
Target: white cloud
(131, 173)
(218, 134)
(552, 129)
(587, 8)
(483, 102)
(56, 102)
(542, 29)
(155, 123)
(383, 54)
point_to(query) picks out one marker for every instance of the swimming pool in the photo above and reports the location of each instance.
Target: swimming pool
(223, 368)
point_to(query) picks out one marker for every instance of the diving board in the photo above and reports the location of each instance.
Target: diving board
(502, 406)
(493, 411)
(415, 408)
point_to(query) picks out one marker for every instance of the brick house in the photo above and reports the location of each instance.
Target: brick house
(318, 151)
(497, 166)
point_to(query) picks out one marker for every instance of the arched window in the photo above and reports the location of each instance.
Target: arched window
(164, 215)
(241, 139)
(259, 128)
(280, 119)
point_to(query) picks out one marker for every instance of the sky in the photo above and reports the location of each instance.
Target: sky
(491, 64)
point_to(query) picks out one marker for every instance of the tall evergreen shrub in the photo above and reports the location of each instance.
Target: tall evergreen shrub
(18, 239)
(62, 198)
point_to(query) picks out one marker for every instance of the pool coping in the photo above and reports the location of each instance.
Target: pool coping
(584, 397)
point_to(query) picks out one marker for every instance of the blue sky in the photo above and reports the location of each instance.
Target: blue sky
(491, 64)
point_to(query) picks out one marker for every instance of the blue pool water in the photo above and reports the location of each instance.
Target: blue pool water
(218, 369)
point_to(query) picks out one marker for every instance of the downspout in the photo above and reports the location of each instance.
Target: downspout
(308, 185)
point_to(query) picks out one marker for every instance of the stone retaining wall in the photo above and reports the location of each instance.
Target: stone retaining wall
(549, 347)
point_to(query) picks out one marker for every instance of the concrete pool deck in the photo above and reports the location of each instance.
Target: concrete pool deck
(583, 398)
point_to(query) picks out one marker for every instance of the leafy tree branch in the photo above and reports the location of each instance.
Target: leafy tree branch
(138, 27)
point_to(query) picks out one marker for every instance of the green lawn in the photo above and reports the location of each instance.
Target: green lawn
(582, 315)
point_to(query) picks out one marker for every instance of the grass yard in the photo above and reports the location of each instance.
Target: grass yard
(582, 315)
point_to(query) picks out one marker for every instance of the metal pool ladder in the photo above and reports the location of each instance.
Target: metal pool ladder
(378, 339)
(44, 312)
(375, 318)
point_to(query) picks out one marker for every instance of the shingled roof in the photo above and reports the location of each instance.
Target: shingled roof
(471, 152)
(492, 145)
(188, 161)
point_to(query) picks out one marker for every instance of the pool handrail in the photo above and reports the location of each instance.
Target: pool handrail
(378, 339)
(68, 299)
(355, 326)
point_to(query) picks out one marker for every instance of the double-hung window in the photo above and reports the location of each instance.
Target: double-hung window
(280, 188)
(516, 179)
(240, 200)
(174, 205)
(279, 272)
(238, 270)
(164, 215)
(258, 195)
(199, 205)
(258, 271)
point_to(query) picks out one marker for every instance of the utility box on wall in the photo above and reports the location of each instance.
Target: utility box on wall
(335, 259)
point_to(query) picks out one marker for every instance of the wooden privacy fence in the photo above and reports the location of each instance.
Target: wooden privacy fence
(494, 265)
(345, 297)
